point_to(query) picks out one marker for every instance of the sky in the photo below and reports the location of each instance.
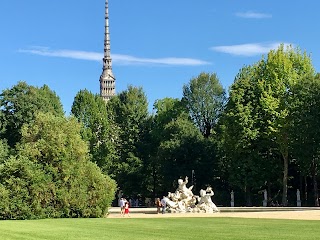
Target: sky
(156, 45)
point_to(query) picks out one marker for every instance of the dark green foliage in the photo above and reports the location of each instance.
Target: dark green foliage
(179, 149)
(4, 151)
(19, 106)
(205, 98)
(166, 111)
(304, 129)
(98, 128)
(130, 110)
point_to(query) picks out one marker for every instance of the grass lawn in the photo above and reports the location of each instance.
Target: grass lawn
(160, 228)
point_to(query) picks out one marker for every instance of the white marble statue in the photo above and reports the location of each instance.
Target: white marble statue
(232, 196)
(182, 188)
(205, 201)
(183, 200)
(265, 194)
(120, 194)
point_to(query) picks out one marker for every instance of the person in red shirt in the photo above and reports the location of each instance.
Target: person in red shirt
(126, 209)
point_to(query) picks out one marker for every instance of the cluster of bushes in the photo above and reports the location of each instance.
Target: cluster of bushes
(48, 172)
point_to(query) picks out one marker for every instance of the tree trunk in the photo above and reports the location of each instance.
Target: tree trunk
(305, 189)
(248, 197)
(285, 179)
(315, 183)
(154, 184)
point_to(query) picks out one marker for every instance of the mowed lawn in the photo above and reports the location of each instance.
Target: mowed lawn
(160, 228)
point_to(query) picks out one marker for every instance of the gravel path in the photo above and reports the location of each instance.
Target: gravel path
(301, 215)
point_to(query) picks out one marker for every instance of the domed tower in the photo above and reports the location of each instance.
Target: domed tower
(107, 80)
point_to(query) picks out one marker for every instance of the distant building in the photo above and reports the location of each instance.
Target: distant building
(107, 80)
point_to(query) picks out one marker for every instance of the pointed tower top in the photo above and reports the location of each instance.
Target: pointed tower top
(107, 80)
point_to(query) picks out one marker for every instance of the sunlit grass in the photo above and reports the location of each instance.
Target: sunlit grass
(160, 228)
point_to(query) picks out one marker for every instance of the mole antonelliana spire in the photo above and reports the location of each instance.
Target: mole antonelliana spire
(107, 80)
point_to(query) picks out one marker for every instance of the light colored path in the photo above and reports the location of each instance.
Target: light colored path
(280, 214)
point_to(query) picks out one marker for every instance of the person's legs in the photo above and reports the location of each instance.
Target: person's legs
(163, 210)
(122, 211)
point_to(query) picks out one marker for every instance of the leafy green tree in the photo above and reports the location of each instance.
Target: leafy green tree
(52, 176)
(99, 128)
(205, 98)
(305, 133)
(166, 111)
(180, 151)
(260, 110)
(249, 157)
(20, 104)
(130, 110)
(282, 69)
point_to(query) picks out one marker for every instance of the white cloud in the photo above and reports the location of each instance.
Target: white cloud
(116, 58)
(249, 49)
(251, 14)
(126, 59)
(45, 51)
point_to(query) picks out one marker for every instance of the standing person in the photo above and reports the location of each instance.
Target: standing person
(163, 205)
(158, 204)
(121, 203)
(126, 209)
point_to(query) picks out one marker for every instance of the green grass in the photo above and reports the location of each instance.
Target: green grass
(160, 228)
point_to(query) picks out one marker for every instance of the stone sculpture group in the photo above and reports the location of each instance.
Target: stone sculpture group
(183, 200)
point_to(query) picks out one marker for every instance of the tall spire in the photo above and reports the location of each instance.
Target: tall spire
(107, 80)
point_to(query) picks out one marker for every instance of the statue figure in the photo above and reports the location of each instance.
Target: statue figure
(174, 196)
(232, 198)
(298, 195)
(120, 194)
(298, 198)
(265, 195)
(182, 188)
(205, 201)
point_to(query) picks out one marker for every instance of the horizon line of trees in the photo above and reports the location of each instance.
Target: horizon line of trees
(263, 134)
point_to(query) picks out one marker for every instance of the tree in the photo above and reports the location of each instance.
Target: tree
(20, 104)
(180, 151)
(52, 176)
(167, 110)
(304, 130)
(99, 128)
(282, 69)
(249, 159)
(205, 97)
(266, 117)
(130, 110)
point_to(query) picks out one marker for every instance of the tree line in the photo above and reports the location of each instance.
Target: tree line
(262, 134)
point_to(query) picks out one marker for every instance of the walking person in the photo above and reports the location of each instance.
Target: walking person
(158, 205)
(122, 203)
(163, 205)
(126, 209)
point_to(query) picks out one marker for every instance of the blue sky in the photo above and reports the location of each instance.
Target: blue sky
(159, 45)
